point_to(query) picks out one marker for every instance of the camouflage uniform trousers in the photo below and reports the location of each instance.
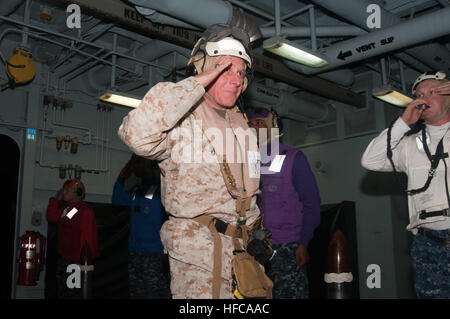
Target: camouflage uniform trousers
(289, 283)
(431, 263)
(148, 276)
(194, 282)
(63, 291)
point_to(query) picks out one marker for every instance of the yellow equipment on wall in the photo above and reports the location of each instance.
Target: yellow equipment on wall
(20, 67)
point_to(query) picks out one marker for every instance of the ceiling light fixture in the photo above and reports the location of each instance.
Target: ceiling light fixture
(294, 52)
(121, 99)
(390, 95)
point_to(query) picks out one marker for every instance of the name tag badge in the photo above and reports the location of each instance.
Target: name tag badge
(277, 163)
(254, 163)
(72, 212)
(151, 192)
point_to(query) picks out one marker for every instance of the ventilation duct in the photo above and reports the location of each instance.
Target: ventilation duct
(159, 18)
(383, 40)
(288, 105)
(206, 13)
(217, 11)
(434, 55)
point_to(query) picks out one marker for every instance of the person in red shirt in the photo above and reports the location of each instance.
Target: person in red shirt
(77, 237)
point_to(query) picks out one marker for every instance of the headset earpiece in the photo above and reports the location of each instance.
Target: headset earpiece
(191, 70)
(79, 191)
(276, 120)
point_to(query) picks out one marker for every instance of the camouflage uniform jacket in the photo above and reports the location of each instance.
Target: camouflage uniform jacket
(166, 128)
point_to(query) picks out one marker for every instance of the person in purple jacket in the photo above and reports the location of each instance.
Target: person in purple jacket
(290, 202)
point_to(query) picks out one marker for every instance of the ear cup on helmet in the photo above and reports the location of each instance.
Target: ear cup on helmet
(79, 186)
(276, 120)
(79, 191)
(244, 84)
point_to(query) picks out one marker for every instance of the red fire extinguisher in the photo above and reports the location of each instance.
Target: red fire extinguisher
(32, 258)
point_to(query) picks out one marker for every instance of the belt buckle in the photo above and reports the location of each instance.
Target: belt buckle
(422, 214)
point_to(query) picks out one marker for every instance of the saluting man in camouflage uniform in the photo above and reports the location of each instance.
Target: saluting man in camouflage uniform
(190, 127)
(423, 155)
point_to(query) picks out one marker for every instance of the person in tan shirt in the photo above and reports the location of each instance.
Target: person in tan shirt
(190, 127)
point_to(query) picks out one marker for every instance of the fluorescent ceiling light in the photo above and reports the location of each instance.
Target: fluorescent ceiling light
(392, 96)
(294, 52)
(121, 98)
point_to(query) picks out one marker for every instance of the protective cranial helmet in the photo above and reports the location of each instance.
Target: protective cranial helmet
(221, 39)
(80, 189)
(272, 118)
(228, 46)
(439, 75)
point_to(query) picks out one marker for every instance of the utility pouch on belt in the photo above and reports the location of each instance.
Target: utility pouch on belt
(249, 279)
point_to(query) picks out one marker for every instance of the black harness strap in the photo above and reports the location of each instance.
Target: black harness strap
(434, 160)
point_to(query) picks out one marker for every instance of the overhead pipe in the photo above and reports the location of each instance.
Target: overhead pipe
(444, 3)
(9, 6)
(321, 31)
(412, 62)
(208, 12)
(219, 12)
(105, 29)
(258, 12)
(435, 55)
(99, 78)
(287, 105)
(343, 77)
(157, 17)
(47, 39)
(382, 41)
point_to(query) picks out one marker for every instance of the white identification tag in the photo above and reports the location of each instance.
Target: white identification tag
(254, 162)
(72, 212)
(277, 163)
(151, 192)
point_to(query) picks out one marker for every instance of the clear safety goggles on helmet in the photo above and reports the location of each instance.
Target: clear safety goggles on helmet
(218, 32)
(228, 46)
(439, 75)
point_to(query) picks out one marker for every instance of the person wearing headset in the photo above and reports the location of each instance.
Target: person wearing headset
(417, 143)
(148, 275)
(290, 203)
(188, 127)
(77, 237)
